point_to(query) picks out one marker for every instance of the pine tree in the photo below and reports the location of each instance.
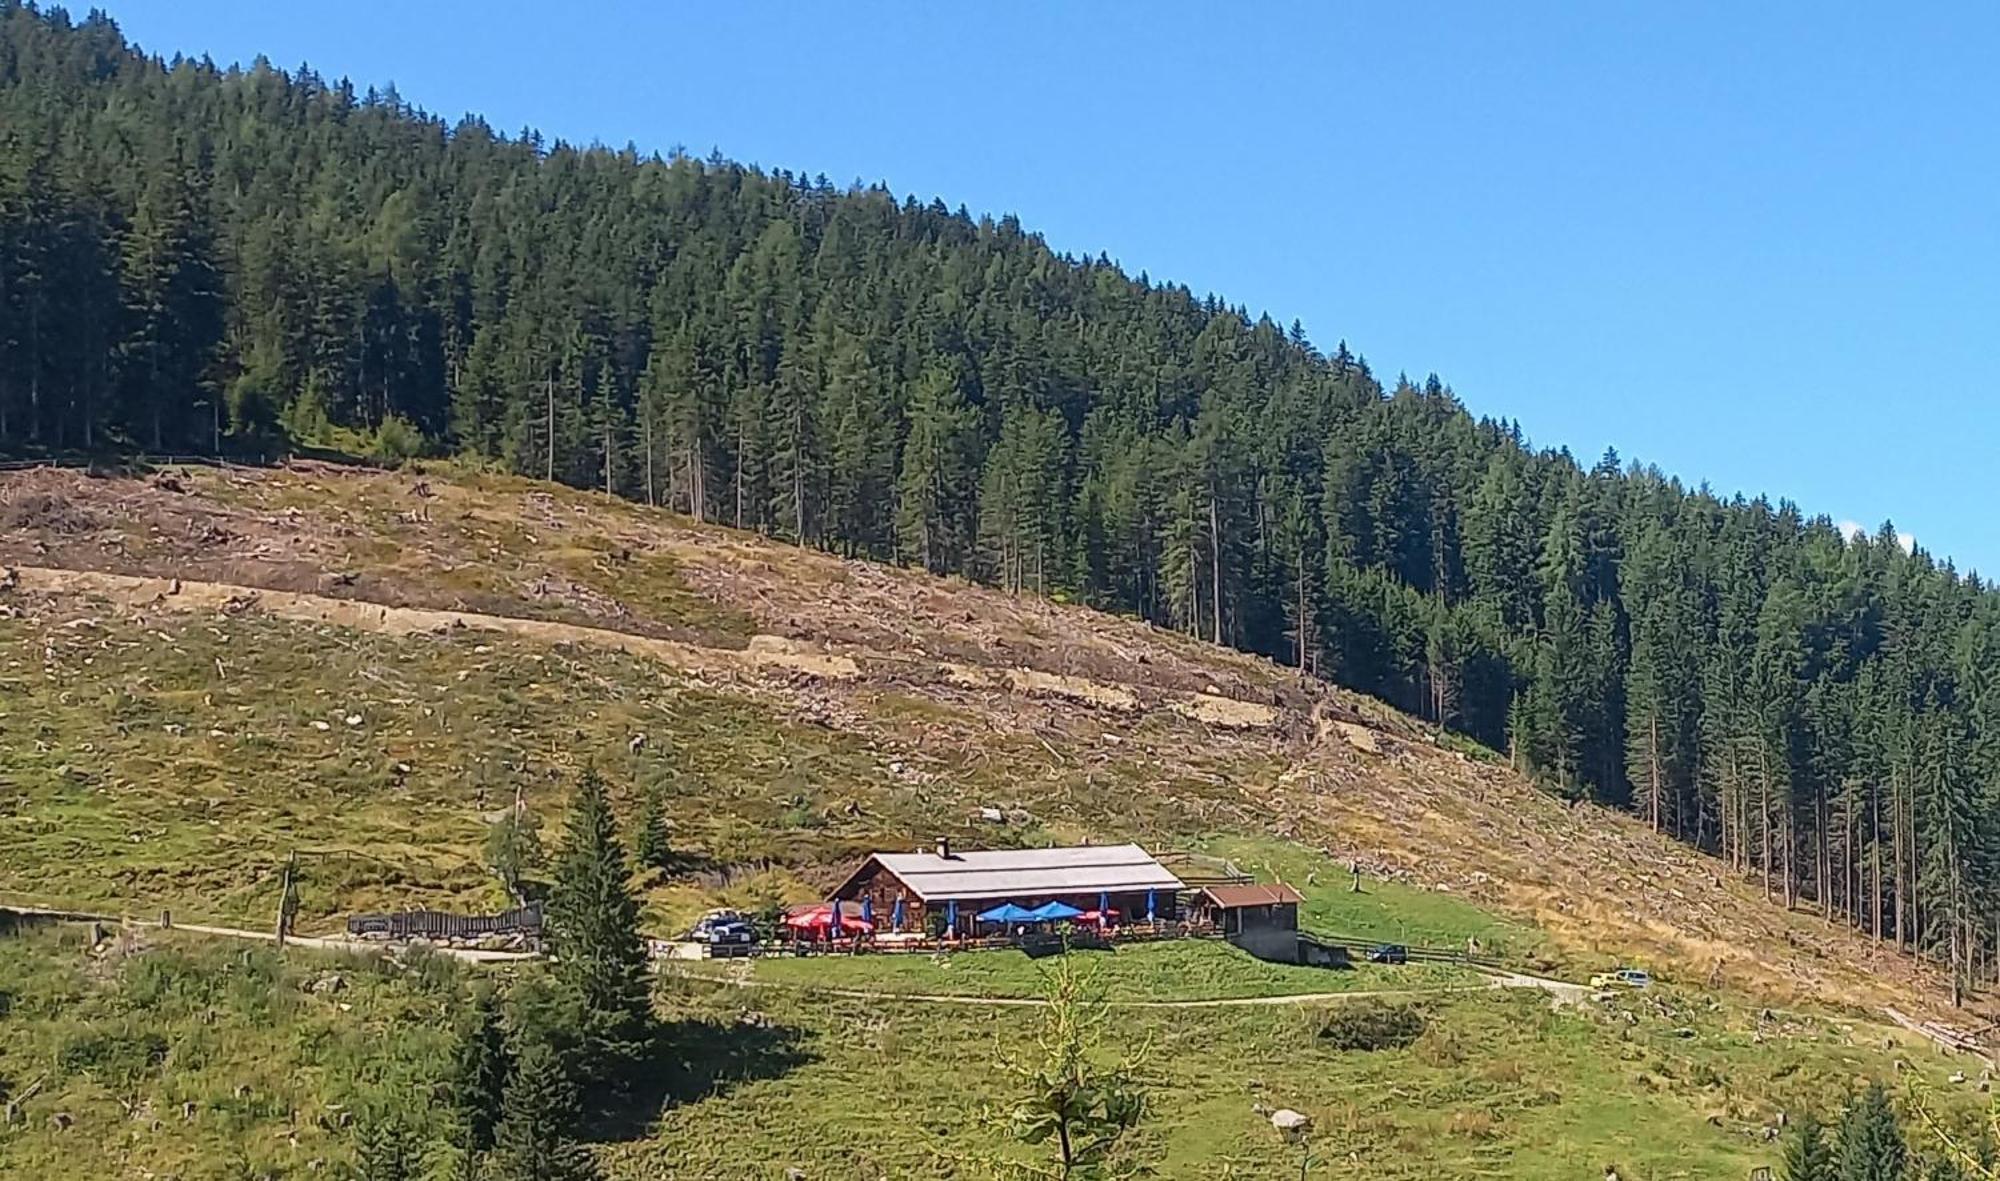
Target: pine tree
(389, 1150)
(1871, 1142)
(593, 924)
(533, 1140)
(652, 845)
(1808, 1154)
(479, 1071)
(931, 511)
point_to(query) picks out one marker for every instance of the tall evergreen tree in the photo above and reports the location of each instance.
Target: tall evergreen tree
(1809, 1156)
(479, 1071)
(593, 924)
(1871, 1141)
(389, 1150)
(652, 845)
(535, 1138)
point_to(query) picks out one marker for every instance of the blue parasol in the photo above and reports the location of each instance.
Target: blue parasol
(868, 911)
(1007, 912)
(951, 916)
(898, 915)
(1052, 912)
(1149, 905)
(1104, 906)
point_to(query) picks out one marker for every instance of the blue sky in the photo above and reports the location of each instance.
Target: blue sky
(1754, 244)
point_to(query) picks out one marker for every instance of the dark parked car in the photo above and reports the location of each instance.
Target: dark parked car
(724, 928)
(1389, 953)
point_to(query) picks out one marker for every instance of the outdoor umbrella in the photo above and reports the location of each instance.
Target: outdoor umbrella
(809, 919)
(1006, 912)
(825, 916)
(951, 917)
(1149, 905)
(898, 916)
(868, 911)
(1104, 907)
(1051, 912)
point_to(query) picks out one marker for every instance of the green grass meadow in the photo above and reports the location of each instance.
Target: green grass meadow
(1177, 970)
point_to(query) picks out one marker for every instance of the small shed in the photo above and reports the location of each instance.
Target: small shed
(1236, 910)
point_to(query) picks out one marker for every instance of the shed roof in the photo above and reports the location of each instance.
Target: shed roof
(1237, 897)
(1027, 873)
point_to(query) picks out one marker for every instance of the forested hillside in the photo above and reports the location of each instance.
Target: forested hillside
(197, 259)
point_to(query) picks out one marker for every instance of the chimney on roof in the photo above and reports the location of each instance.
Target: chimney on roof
(944, 848)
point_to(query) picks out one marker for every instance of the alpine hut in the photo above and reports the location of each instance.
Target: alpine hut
(943, 890)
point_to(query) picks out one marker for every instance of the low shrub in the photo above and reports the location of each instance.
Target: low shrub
(1370, 1026)
(116, 1059)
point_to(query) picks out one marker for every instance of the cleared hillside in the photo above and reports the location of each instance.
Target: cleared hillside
(207, 668)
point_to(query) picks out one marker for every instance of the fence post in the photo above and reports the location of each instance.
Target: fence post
(288, 902)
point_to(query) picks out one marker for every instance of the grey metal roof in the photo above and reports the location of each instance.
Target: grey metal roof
(1028, 873)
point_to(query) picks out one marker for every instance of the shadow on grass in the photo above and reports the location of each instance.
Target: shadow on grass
(696, 1059)
(1037, 947)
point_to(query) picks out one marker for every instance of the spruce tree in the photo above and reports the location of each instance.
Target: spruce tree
(534, 1141)
(593, 925)
(1808, 1154)
(479, 1071)
(652, 846)
(1871, 1141)
(389, 1149)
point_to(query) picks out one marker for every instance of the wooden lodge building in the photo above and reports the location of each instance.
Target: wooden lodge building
(1237, 909)
(944, 889)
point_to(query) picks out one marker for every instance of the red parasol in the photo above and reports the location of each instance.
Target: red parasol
(820, 918)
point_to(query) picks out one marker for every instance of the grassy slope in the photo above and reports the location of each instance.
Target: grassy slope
(1500, 1085)
(123, 1037)
(153, 757)
(809, 769)
(1141, 972)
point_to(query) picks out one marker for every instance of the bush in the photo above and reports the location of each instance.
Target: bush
(165, 979)
(397, 440)
(1370, 1025)
(430, 970)
(114, 1059)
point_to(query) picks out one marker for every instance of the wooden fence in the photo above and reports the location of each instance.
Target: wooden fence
(437, 924)
(1416, 953)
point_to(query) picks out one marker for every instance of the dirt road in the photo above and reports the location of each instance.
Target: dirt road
(776, 655)
(1497, 980)
(316, 942)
